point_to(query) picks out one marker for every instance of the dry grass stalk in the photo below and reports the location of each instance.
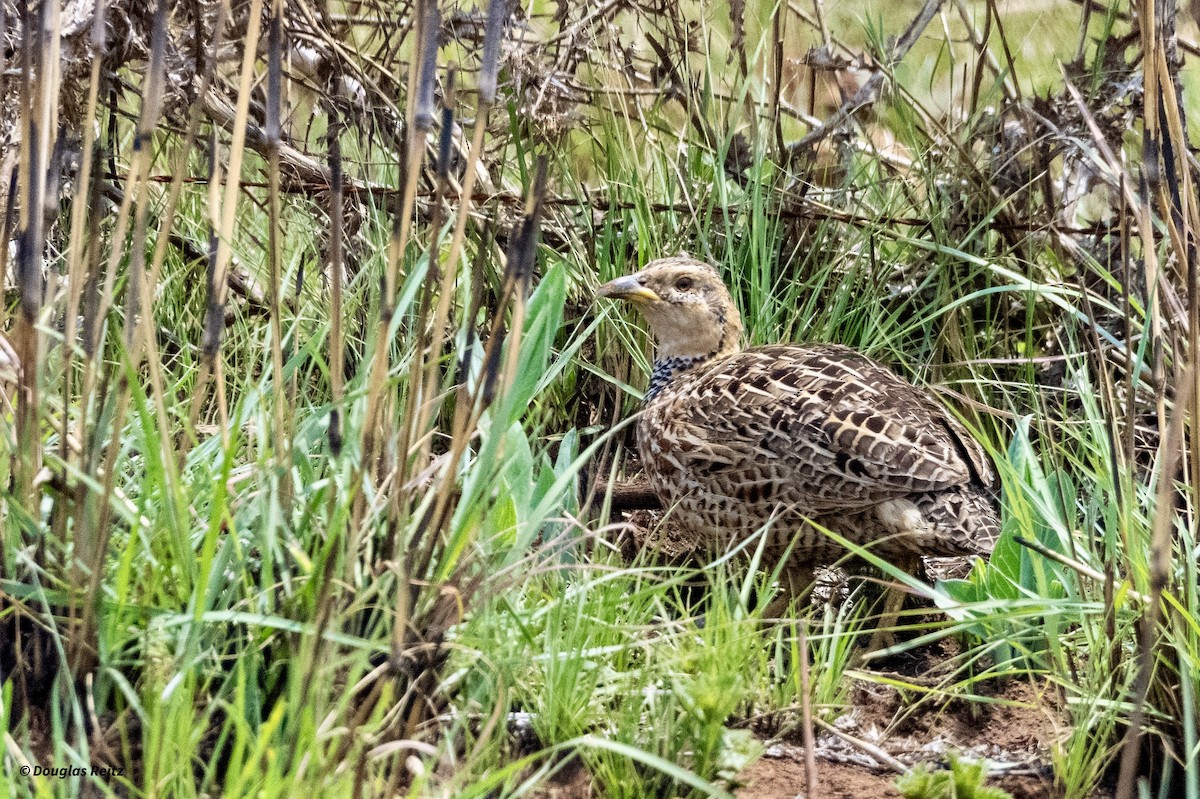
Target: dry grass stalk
(93, 527)
(1169, 179)
(224, 218)
(281, 435)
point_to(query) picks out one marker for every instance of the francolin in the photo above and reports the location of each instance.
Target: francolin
(788, 436)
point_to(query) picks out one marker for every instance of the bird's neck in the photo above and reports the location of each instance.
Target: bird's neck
(681, 353)
(668, 368)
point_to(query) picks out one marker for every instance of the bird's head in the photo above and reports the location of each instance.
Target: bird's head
(688, 308)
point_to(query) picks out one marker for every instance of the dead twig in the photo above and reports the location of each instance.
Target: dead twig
(877, 753)
(868, 93)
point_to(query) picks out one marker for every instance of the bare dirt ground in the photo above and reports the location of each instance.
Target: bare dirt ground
(785, 778)
(1014, 734)
(1014, 731)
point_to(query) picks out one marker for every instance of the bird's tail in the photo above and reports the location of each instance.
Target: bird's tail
(966, 520)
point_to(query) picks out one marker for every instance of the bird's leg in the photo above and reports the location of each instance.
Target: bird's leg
(893, 602)
(794, 580)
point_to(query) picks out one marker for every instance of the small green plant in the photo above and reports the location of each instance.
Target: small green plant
(963, 780)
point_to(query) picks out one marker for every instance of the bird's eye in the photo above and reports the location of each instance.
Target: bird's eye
(683, 283)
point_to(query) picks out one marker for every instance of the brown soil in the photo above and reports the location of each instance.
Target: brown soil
(1014, 730)
(1013, 725)
(785, 778)
(571, 781)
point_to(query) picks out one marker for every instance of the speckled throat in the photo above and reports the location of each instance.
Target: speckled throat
(665, 369)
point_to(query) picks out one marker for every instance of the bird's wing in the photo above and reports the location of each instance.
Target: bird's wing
(840, 430)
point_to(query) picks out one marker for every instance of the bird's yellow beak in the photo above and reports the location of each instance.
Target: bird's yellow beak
(627, 288)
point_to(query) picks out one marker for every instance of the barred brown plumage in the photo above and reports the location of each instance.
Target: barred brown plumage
(733, 440)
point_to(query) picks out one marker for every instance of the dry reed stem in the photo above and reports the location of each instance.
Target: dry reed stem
(336, 280)
(93, 528)
(497, 14)
(147, 352)
(76, 247)
(281, 438)
(422, 72)
(806, 714)
(226, 213)
(1168, 181)
(41, 75)
(416, 438)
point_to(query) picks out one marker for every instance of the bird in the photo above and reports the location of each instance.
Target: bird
(792, 438)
